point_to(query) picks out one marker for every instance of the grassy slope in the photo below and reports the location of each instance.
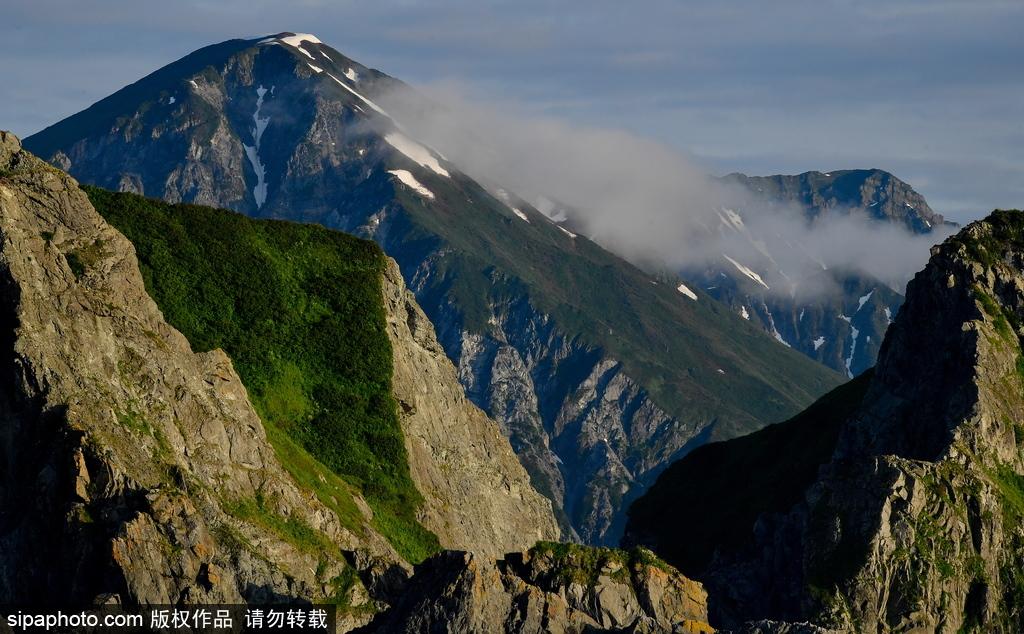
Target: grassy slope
(299, 310)
(710, 499)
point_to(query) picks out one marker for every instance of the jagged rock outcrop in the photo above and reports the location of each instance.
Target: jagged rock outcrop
(550, 588)
(127, 458)
(916, 522)
(477, 495)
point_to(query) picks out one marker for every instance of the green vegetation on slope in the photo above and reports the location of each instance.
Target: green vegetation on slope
(299, 310)
(1005, 227)
(584, 564)
(711, 498)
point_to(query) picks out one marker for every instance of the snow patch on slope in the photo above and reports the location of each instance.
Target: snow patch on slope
(682, 288)
(730, 218)
(863, 300)
(295, 41)
(746, 271)
(853, 348)
(415, 151)
(519, 213)
(775, 331)
(410, 181)
(362, 98)
(819, 342)
(252, 152)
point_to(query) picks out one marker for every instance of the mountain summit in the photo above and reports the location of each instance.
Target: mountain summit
(598, 373)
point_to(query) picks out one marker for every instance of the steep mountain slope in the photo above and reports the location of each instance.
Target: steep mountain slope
(598, 374)
(914, 523)
(136, 471)
(843, 327)
(716, 478)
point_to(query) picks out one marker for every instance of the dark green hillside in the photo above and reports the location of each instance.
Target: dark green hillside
(299, 310)
(711, 498)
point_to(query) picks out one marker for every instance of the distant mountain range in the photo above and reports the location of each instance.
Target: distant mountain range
(598, 372)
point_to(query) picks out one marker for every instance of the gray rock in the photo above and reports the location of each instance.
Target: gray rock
(132, 451)
(478, 496)
(543, 590)
(915, 523)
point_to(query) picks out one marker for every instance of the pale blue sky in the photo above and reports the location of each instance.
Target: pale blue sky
(930, 90)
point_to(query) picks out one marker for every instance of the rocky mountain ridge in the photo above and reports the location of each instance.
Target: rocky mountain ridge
(478, 497)
(914, 523)
(550, 588)
(134, 453)
(598, 373)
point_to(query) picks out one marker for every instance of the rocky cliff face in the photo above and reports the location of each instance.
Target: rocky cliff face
(915, 523)
(593, 442)
(126, 456)
(551, 588)
(478, 497)
(597, 372)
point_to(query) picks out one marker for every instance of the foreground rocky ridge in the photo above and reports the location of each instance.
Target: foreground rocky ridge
(478, 497)
(551, 588)
(915, 523)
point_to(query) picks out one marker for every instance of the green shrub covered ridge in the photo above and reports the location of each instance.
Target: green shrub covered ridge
(299, 309)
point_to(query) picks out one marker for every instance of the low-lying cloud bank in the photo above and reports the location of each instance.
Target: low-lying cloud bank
(648, 202)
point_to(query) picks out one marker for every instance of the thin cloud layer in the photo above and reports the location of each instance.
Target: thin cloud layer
(646, 201)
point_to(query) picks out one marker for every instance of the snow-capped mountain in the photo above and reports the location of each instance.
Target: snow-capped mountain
(599, 373)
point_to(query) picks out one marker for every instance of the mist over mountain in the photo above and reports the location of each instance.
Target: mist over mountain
(647, 201)
(818, 260)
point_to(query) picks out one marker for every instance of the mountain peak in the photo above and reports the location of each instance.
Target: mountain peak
(290, 128)
(873, 192)
(954, 344)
